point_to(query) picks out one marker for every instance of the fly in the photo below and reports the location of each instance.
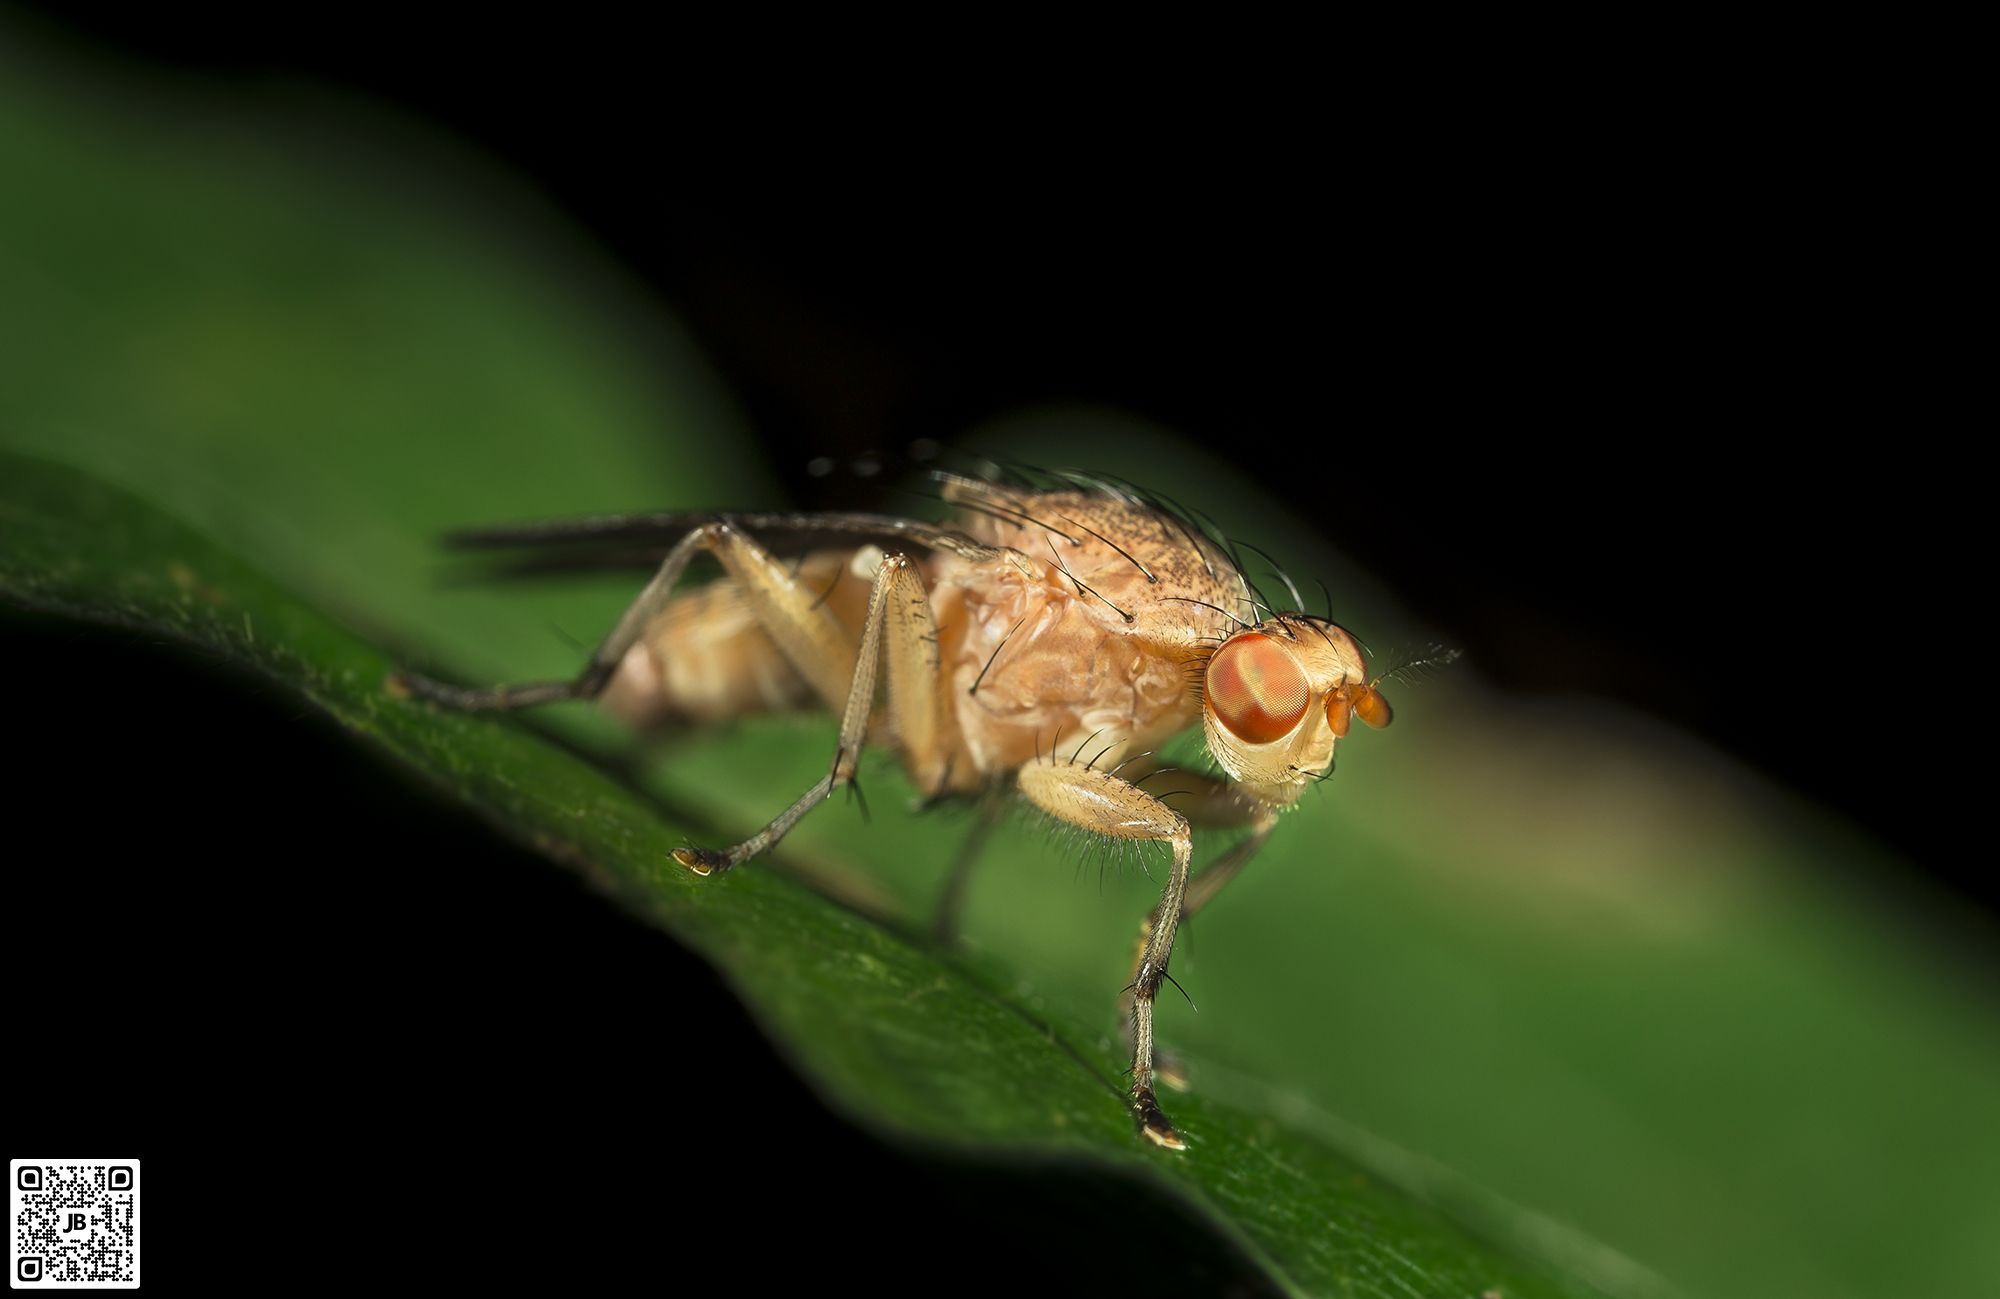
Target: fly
(1070, 607)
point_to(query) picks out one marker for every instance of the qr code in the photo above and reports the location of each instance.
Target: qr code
(76, 1224)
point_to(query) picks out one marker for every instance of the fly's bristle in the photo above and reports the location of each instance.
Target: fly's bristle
(1080, 848)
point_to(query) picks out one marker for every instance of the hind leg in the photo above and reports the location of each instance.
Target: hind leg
(900, 635)
(766, 581)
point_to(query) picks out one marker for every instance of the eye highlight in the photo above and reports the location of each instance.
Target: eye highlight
(1256, 689)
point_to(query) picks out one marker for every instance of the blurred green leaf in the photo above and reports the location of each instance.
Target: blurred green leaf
(1570, 958)
(896, 1037)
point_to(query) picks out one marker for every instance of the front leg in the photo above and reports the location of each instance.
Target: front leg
(1205, 802)
(1105, 804)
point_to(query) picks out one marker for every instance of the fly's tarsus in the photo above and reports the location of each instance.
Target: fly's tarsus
(703, 861)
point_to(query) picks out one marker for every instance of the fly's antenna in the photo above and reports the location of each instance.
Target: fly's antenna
(1420, 663)
(1083, 587)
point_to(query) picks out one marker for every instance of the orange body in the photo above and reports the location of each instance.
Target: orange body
(1090, 619)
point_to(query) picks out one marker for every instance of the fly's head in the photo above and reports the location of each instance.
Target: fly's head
(1277, 697)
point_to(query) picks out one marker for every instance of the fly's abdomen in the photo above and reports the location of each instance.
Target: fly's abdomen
(705, 659)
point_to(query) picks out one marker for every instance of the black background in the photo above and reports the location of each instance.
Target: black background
(1610, 399)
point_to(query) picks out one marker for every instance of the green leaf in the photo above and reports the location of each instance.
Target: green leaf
(892, 1034)
(256, 364)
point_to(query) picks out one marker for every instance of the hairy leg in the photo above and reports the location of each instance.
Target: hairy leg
(1108, 805)
(809, 636)
(898, 630)
(1205, 802)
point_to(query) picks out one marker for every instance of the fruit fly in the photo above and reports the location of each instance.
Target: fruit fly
(1048, 640)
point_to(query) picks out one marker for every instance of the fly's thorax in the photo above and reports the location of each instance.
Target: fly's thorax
(1277, 698)
(1027, 658)
(1134, 563)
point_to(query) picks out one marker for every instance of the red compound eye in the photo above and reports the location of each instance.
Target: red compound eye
(1256, 688)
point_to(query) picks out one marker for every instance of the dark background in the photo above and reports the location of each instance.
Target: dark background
(1615, 414)
(1603, 395)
